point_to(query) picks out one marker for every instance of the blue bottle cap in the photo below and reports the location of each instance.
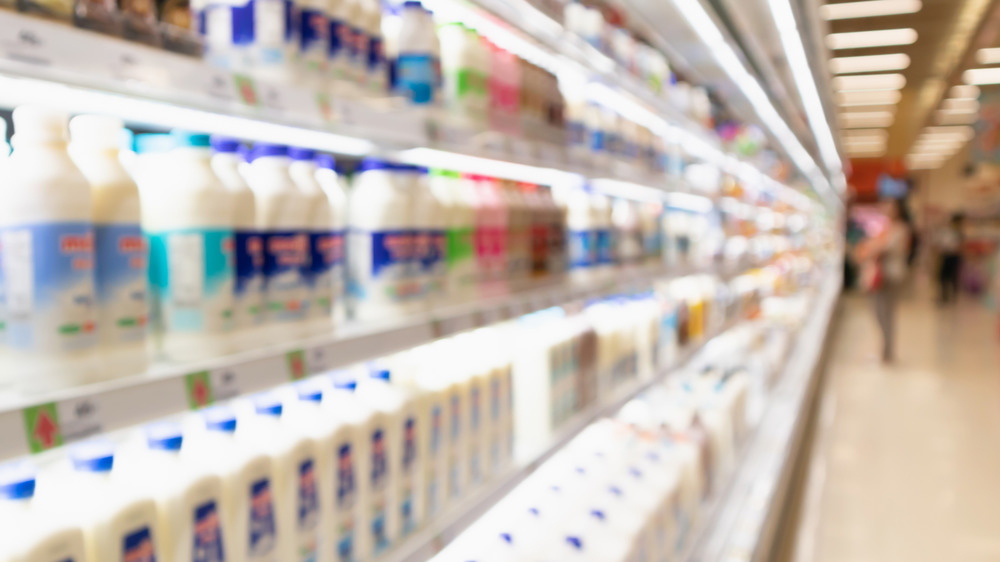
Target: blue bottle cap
(326, 162)
(264, 149)
(191, 139)
(380, 373)
(413, 4)
(575, 542)
(310, 390)
(17, 481)
(164, 436)
(220, 418)
(152, 143)
(226, 145)
(297, 153)
(343, 380)
(372, 163)
(93, 456)
(268, 405)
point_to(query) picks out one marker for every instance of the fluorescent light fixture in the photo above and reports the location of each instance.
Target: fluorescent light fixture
(981, 76)
(955, 131)
(867, 116)
(866, 133)
(960, 105)
(869, 82)
(943, 117)
(855, 99)
(802, 73)
(865, 142)
(866, 123)
(867, 39)
(988, 56)
(964, 91)
(869, 9)
(869, 63)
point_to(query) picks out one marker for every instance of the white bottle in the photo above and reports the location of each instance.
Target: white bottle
(248, 249)
(462, 93)
(430, 240)
(188, 219)
(491, 236)
(429, 387)
(627, 234)
(460, 255)
(42, 534)
(48, 257)
(227, 32)
(582, 234)
(119, 516)
(357, 43)
(313, 23)
(275, 44)
(380, 241)
(606, 259)
(296, 491)
(322, 251)
(377, 75)
(283, 220)
(119, 247)
(336, 195)
(416, 77)
(188, 496)
(338, 53)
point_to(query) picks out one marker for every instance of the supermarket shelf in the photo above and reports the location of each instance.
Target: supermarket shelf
(79, 413)
(432, 539)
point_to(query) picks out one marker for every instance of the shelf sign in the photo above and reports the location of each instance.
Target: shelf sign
(296, 364)
(42, 426)
(325, 106)
(247, 89)
(199, 390)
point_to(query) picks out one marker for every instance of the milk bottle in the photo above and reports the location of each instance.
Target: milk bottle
(606, 258)
(48, 257)
(340, 35)
(460, 252)
(188, 219)
(430, 389)
(457, 430)
(119, 247)
(332, 184)
(582, 232)
(491, 236)
(377, 73)
(248, 250)
(323, 249)
(42, 535)
(416, 77)
(283, 220)
(518, 234)
(119, 517)
(430, 239)
(313, 31)
(380, 241)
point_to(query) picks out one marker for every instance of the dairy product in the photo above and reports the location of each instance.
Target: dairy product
(491, 235)
(340, 35)
(41, 534)
(357, 42)
(119, 247)
(582, 232)
(465, 84)
(377, 73)
(326, 175)
(283, 221)
(274, 44)
(48, 257)
(601, 207)
(430, 237)
(323, 247)
(380, 241)
(188, 219)
(457, 202)
(416, 77)
(248, 245)
(429, 388)
(311, 25)
(120, 520)
(627, 235)
(518, 233)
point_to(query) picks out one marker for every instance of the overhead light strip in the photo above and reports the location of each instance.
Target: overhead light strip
(867, 82)
(869, 9)
(869, 63)
(870, 39)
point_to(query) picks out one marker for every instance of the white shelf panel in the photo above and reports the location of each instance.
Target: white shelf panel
(78, 413)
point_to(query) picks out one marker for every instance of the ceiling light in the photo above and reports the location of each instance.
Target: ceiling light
(964, 91)
(883, 97)
(965, 105)
(866, 120)
(982, 76)
(869, 63)
(964, 132)
(880, 133)
(988, 56)
(869, 82)
(866, 39)
(869, 9)
(861, 115)
(948, 118)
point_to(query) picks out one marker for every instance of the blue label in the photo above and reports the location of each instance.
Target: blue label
(207, 534)
(324, 248)
(338, 39)
(308, 512)
(285, 255)
(409, 444)
(345, 477)
(191, 279)
(376, 54)
(415, 77)
(357, 47)
(138, 546)
(435, 440)
(456, 417)
(48, 272)
(429, 247)
(314, 29)
(605, 247)
(379, 467)
(474, 407)
(392, 252)
(249, 255)
(121, 282)
(494, 399)
(261, 532)
(379, 479)
(582, 248)
(598, 141)
(242, 23)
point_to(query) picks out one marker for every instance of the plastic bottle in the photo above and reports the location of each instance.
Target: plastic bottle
(248, 246)
(460, 221)
(275, 43)
(48, 257)
(582, 233)
(283, 220)
(322, 245)
(491, 236)
(377, 74)
(338, 52)
(462, 93)
(627, 234)
(415, 71)
(333, 186)
(188, 219)
(380, 241)
(358, 47)
(519, 216)
(606, 258)
(42, 535)
(249, 486)
(431, 405)
(120, 518)
(430, 240)
(188, 496)
(313, 32)
(558, 261)
(119, 247)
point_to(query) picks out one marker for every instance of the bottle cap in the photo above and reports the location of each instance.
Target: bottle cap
(154, 143)
(93, 456)
(268, 405)
(326, 162)
(310, 390)
(225, 145)
(164, 436)
(220, 418)
(264, 149)
(17, 481)
(191, 139)
(34, 123)
(96, 131)
(343, 380)
(296, 153)
(372, 164)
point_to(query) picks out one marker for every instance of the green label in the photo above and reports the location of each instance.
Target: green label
(247, 89)
(199, 390)
(42, 426)
(296, 364)
(460, 246)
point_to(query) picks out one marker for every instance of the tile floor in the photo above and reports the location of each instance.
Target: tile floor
(906, 461)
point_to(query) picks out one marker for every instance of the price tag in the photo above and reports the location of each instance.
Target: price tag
(296, 361)
(24, 40)
(273, 97)
(224, 384)
(220, 85)
(41, 425)
(131, 64)
(79, 419)
(318, 360)
(325, 107)
(246, 89)
(199, 390)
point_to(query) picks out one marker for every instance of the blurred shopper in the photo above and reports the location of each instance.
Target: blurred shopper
(949, 243)
(884, 268)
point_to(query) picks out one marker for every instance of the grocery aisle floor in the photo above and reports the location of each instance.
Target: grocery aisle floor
(906, 459)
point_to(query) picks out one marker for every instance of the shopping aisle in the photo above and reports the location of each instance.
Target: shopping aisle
(905, 459)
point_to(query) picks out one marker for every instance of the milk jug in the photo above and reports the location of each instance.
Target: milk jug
(430, 239)
(119, 247)
(322, 244)
(43, 535)
(416, 77)
(582, 234)
(332, 184)
(460, 218)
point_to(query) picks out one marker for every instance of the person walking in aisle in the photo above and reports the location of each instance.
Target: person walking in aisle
(884, 259)
(949, 244)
